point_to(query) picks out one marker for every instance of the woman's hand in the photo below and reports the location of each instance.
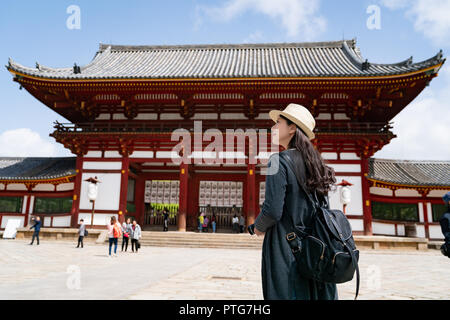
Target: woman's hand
(258, 233)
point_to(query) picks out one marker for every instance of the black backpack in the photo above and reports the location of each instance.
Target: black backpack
(326, 251)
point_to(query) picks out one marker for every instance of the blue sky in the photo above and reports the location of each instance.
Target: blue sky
(36, 31)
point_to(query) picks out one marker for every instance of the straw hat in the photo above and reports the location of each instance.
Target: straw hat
(299, 115)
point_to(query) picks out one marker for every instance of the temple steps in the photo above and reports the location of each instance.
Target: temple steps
(200, 240)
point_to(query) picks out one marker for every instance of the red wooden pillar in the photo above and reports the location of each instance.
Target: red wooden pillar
(425, 216)
(193, 204)
(250, 194)
(76, 192)
(183, 197)
(139, 200)
(367, 209)
(124, 188)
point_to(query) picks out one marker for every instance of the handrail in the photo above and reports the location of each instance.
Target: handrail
(86, 127)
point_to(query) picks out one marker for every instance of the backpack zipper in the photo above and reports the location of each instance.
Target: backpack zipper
(323, 246)
(332, 262)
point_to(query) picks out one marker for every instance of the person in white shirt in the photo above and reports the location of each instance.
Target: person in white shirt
(235, 222)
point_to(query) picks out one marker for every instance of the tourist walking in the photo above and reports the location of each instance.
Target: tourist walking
(135, 236)
(241, 224)
(81, 233)
(235, 222)
(126, 230)
(213, 223)
(114, 233)
(285, 204)
(205, 224)
(166, 220)
(201, 219)
(37, 229)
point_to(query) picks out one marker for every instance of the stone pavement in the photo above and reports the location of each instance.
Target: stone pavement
(58, 270)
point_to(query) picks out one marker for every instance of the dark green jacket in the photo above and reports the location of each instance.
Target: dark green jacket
(280, 278)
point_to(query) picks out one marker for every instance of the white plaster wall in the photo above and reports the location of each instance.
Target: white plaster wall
(420, 207)
(437, 193)
(329, 155)
(436, 232)
(232, 116)
(383, 228)
(44, 187)
(205, 116)
(171, 116)
(31, 204)
(345, 167)
(112, 154)
(108, 191)
(429, 212)
(357, 224)
(102, 219)
(16, 187)
(47, 222)
(355, 207)
(65, 186)
(147, 116)
(167, 154)
(406, 193)
(6, 218)
(381, 191)
(142, 154)
(421, 231)
(2, 186)
(24, 204)
(401, 229)
(103, 116)
(86, 217)
(119, 116)
(341, 116)
(103, 165)
(61, 221)
(349, 156)
(323, 116)
(93, 154)
(263, 116)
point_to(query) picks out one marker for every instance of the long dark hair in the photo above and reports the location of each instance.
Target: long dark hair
(319, 176)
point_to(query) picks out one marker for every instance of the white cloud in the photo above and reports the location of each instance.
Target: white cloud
(24, 142)
(431, 17)
(423, 127)
(253, 37)
(297, 17)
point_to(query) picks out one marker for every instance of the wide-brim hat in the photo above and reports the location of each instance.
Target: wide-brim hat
(299, 115)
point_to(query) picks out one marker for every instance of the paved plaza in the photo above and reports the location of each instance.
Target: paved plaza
(58, 270)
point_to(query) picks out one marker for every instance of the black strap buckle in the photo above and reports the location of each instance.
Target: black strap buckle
(291, 236)
(297, 249)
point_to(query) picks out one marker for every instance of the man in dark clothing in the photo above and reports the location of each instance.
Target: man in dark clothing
(445, 226)
(166, 220)
(37, 228)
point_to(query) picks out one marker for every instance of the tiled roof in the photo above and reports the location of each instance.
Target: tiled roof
(267, 60)
(409, 172)
(36, 168)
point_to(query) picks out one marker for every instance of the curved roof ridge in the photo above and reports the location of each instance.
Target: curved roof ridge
(408, 161)
(113, 47)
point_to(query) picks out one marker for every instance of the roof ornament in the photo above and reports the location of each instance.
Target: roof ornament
(365, 65)
(76, 69)
(409, 61)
